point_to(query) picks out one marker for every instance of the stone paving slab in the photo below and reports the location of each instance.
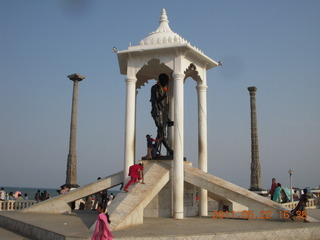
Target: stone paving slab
(78, 224)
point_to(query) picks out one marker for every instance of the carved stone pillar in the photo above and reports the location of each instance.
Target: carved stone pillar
(71, 179)
(255, 183)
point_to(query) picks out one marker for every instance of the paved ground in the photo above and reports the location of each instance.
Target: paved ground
(157, 227)
(78, 224)
(7, 235)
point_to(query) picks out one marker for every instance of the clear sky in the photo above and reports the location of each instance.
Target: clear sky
(273, 45)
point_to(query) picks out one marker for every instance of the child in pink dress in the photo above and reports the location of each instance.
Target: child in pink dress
(102, 231)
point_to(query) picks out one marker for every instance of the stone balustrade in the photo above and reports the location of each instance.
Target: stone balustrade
(316, 193)
(312, 203)
(12, 205)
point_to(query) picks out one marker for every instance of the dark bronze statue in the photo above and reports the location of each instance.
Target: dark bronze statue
(160, 110)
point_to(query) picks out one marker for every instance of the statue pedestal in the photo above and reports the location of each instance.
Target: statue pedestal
(159, 158)
(162, 203)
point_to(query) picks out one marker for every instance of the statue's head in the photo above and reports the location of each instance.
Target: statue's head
(163, 79)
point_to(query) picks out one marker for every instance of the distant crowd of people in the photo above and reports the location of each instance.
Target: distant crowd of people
(281, 194)
(102, 198)
(41, 196)
(91, 201)
(278, 195)
(12, 196)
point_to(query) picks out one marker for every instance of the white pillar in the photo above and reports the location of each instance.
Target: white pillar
(129, 144)
(202, 143)
(178, 169)
(170, 132)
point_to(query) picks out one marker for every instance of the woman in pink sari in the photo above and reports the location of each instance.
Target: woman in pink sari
(102, 231)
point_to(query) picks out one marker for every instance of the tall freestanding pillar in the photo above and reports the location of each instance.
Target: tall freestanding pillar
(71, 179)
(255, 184)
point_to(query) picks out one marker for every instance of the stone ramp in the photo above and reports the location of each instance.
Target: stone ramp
(127, 208)
(60, 203)
(260, 208)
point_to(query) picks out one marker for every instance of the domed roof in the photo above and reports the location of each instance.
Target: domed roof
(160, 44)
(163, 34)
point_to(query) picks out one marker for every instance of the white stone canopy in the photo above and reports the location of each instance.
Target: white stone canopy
(156, 52)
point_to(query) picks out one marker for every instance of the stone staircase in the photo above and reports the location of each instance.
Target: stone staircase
(127, 208)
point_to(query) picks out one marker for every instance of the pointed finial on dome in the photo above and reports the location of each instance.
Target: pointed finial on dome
(163, 17)
(163, 34)
(164, 22)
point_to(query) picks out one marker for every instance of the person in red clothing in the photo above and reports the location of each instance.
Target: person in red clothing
(136, 174)
(273, 187)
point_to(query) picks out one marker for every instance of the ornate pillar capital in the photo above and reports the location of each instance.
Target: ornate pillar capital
(201, 88)
(177, 75)
(131, 80)
(252, 90)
